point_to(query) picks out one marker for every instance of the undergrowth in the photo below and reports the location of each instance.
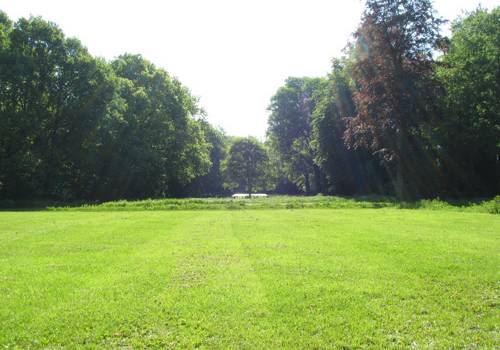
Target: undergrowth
(491, 206)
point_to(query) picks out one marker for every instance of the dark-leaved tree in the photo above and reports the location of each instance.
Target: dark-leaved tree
(396, 93)
(347, 171)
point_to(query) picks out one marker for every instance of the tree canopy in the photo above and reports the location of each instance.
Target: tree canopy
(469, 131)
(404, 112)
(74, 126)
(290, 130)
(393, 117)
(247, 165)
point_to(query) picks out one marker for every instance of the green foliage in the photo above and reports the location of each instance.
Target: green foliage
(388, 119)
(212, 183)
(396, 95)
(368, 127)
(290, 130)
(347, 171)
(5, 28)
(73, 126)
(470, 130)
(53, 94)
(261, 279)
(155, 137)
(491, 206)
(246, 165)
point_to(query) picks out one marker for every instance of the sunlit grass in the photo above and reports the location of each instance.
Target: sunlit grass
(256, 279)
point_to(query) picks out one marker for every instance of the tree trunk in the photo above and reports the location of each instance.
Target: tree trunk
(398, 181)
(307, 184)
(317, 179)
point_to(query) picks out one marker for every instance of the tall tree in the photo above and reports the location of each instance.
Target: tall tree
(395, 95)
(347, 172)
(52, 95)
(5, 28)
(72, 126)
(211, 183)
(290, 130)
(470, 132)
(246, 164)
(157, 148)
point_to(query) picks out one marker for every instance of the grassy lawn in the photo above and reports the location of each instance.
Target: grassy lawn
(257, 279)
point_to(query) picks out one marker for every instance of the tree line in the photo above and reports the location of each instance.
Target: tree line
(405, 112)
(76, 126)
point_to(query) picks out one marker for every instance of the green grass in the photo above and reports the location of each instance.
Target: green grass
(273, 202)
(255, 279)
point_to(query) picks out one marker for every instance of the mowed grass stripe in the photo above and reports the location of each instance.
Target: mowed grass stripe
(163, 274)
(103, 271)
(216, 290)
(382, 278)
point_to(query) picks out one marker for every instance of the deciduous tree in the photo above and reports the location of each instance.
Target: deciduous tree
(290, 130)
(469, 133)
(246, 164)
(395, 96)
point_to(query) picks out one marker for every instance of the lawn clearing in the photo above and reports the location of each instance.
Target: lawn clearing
(309, 278)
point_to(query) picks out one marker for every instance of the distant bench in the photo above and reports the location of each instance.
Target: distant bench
(246, 195)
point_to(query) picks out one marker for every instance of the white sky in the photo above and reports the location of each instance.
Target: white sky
(233, 54)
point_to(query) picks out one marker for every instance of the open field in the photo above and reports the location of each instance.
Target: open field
(309, 278)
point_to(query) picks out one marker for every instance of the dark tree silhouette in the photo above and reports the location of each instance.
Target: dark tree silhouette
(396, 93)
